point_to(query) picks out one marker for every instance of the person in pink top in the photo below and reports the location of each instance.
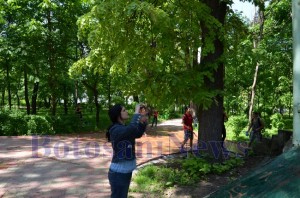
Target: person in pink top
(187, 121)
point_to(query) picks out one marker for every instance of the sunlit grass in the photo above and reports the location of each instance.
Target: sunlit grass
(157, 178)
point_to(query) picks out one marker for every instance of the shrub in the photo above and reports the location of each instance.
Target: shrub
(38, 125)
(4, 116)
(237, 124)
(277, 121)
(65, 123)
(13, 122)
(288, 123)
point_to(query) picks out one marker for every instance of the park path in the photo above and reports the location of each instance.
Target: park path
(73, 165)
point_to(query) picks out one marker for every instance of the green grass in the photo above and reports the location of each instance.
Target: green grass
(154, 179)
(146, 181)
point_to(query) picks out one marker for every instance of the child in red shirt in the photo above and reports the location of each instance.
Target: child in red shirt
(187, 121)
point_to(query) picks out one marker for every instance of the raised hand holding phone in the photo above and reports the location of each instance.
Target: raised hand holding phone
(141, 109)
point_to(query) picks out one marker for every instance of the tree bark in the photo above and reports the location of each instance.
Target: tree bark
(211, 120)
(8, 84)
(34, 97)
(76, 93)
(65, 100)
(52, 79)
(255, 44)
(3, 97)
(93, 88)
(26, 90)
(253, 87)
(97, 107)
(109, 91)
(136, 99)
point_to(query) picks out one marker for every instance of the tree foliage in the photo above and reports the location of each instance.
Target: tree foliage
(162, 52)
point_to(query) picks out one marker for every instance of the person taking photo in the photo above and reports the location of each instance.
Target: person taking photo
(122, 138)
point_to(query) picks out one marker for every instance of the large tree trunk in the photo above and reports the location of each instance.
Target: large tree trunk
(210, 120)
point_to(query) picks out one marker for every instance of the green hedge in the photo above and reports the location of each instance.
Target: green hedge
(17, 122)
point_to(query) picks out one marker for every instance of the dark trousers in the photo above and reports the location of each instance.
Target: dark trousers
(119, 184)
(154, 121)
(255, 135)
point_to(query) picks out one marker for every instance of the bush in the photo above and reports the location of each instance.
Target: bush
(277, 121)
(13, 122)
(4, 115)
(38, 125)
(288, 123)
(237, 124)
(16, 122)
(64, 124)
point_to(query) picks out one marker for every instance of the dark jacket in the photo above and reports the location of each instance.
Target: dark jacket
(123, 138)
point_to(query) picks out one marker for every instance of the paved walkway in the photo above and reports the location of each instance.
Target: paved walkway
(73, 165)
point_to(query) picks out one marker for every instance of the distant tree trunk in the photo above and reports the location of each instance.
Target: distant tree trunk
(47, 102)
(18, 99)
(8, 84)
(52, 79)
(210, 120)
(76, 93)
(136, 99)
(253, 88)
(34, 97)
(65, 100)
(66, 106)
(93, 88)
(53, 105)
(26, 90)
(3, 97)
(97, 107)
(109, 92)
(256, 42)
